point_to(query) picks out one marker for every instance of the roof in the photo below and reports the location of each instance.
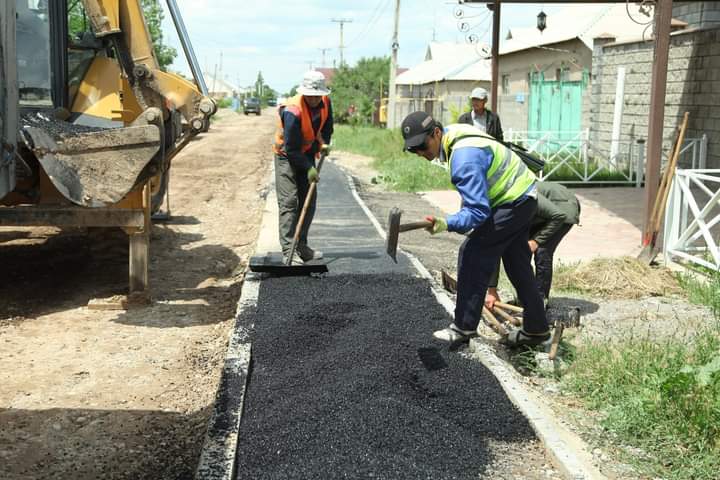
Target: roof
(329, 73)
(449, 61)
(581, 21)
(218, 84)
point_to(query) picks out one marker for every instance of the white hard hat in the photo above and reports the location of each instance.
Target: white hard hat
(479, 93)
(313, 84)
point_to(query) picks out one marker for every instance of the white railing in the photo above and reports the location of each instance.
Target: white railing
(696, 193)
(572, 154)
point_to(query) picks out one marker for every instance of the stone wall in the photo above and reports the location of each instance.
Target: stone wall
(697, 14)
(693, 85)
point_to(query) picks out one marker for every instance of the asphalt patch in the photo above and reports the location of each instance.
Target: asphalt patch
(339, 387)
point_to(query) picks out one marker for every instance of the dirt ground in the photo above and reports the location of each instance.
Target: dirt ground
(92, 394)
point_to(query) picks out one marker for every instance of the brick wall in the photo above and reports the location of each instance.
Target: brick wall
(693, 85)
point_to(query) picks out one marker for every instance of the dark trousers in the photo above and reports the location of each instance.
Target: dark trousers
(503, 235)
(292, 186)
(544, 260)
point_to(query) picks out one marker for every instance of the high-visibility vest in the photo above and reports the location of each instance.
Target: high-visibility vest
(508, 177)
(297, 107)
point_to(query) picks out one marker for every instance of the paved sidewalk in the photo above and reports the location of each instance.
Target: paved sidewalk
(610, 222)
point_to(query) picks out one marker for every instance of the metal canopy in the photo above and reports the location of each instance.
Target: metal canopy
(663, 17)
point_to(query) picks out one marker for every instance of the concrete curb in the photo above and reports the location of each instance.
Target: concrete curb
(567, 450)
(217, 460)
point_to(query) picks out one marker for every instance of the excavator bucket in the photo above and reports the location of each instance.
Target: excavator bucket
(91, 167)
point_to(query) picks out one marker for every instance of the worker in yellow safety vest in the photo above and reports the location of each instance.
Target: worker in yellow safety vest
(304, 130)
(499, 200)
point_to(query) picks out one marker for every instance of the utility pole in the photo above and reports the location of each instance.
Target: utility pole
(323, 50)
(310, 64)
(342, 22)
(393, 69)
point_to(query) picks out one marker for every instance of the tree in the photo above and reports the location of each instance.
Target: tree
(78, 23)
(154, 16)
(360, 86)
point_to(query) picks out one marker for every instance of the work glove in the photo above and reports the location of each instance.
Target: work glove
(313, 175)
(325, 149)
(438, 224)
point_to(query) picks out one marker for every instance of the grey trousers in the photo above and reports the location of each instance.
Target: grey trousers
(292, 187)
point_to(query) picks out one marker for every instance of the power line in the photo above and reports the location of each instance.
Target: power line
(374, 17)
(342, 22)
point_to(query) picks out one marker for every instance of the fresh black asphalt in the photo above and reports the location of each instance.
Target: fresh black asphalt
(346, 380)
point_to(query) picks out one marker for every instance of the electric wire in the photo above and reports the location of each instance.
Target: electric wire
(374, 17)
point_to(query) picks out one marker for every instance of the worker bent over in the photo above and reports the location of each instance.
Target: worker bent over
(305, 127)
(499, 200)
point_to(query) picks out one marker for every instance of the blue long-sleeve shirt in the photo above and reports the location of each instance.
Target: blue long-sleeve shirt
(292, 134)
(468, 173)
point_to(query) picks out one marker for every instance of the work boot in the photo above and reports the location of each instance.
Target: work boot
(296, 260)
(454, 334)
(520, 338)
(307, 253)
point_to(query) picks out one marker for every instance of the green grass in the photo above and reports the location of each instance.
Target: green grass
(662, 396)
(397, 170)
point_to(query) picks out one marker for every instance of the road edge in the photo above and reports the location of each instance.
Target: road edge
(567, 450)
(219, 452)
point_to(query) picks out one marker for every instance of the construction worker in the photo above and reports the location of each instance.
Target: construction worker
(499, 199)
(305, 127)
(558, 210)
(480, 117)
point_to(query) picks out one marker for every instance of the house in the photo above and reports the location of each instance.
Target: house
(545, 77)
(440, 85)
(219, 88)
(693, 85)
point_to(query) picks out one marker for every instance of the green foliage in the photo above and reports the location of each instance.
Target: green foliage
(224, 102)
(663, 397)
(292, 92)
(456, 111)
(78, 23)
(360, 86)
(398, 170)
(154, 16)
(263, 91)
(702, 288)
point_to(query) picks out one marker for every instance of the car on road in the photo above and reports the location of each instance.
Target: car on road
(251, 105)
(272, 102)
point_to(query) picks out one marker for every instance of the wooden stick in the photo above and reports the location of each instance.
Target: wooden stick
(512, 308)
(508, 318)
(557, 335)
(494, 324)
(671, 172)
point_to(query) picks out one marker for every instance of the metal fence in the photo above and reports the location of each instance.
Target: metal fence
(572, 158)
(693, 192)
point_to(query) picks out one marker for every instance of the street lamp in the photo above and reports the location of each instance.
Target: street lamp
(541, 21)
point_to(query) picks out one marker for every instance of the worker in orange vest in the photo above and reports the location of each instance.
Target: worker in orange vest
(305, 128)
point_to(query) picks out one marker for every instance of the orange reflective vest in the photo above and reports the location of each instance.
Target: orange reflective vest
(297, 107)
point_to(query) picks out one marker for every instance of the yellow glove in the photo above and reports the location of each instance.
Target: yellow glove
(313, 175)
(438, 224)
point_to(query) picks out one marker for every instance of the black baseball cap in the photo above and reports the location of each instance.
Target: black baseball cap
(415, 128)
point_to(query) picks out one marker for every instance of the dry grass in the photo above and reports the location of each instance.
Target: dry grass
(620, 278)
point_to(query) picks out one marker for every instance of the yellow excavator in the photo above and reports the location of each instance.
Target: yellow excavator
(89, 122)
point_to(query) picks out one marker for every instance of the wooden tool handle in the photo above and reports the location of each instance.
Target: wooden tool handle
(493, 322)
(508, 318)
(512, 308)
(303, 213)
(557, 335)
(406, 227)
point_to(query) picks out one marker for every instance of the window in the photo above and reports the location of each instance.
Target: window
(33, 53)
(506, 84)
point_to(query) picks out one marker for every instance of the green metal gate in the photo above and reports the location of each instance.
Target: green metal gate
(555, 105)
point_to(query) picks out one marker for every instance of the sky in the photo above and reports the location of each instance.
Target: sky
(283, 38)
